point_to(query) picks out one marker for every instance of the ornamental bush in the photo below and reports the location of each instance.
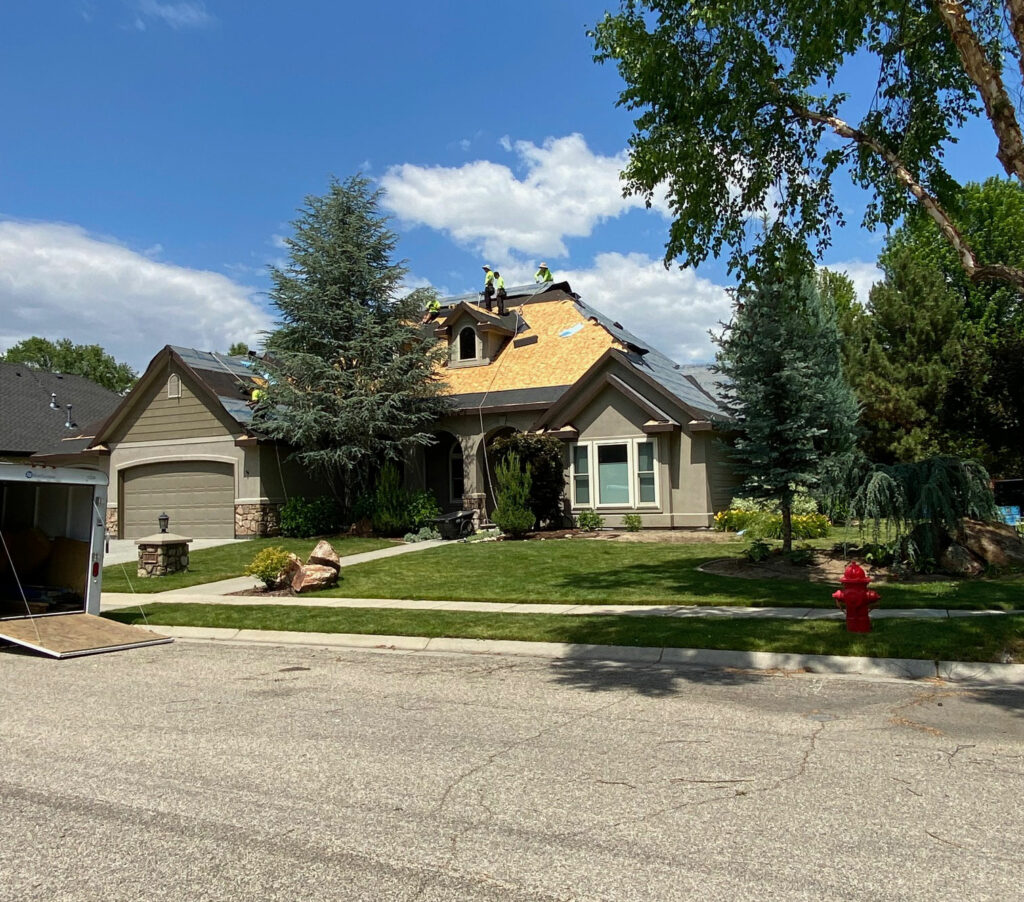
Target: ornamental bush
(767, 525)
(545, 456)
(268, 565)
(302, 518)
(513, 514)
(589, 520)
(394, 510)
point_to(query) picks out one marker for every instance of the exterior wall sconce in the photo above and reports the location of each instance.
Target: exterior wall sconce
(164, 522)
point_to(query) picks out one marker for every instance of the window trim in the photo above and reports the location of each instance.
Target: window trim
(632, 444)
(476, 345)
(173, 380)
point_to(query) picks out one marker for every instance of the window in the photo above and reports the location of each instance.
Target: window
(626, 471)
(174, 387)
(467, 344)
(457, 474)
(613, 474)
(581, 474)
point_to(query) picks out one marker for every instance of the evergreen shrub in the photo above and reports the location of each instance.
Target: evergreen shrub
(544, 456)
(302, 518)
(394, 510)
(513, 514)
(632, 522)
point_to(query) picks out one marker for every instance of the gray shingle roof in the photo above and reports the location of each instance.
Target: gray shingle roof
(28, 423)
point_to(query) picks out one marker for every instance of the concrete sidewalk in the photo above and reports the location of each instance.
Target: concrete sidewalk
(202, 595)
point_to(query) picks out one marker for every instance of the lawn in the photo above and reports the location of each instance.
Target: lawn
(225, 562)
(584, 571)
(957, 639)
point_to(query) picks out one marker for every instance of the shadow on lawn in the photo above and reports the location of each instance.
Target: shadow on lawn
(696, 587)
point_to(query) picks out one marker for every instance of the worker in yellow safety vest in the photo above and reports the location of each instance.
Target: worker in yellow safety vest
(543, 274)
(488, 286)
(499, 284)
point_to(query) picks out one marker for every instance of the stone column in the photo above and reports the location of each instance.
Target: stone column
(259, 518)
(162, 554)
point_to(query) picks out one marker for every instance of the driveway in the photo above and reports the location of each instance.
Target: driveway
(201, 771)
(125, 551)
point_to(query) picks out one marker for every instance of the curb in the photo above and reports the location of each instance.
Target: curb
(899, 668)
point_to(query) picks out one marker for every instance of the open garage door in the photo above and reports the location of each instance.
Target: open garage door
(198, 496)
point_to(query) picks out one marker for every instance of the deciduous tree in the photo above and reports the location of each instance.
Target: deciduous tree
(64, 356)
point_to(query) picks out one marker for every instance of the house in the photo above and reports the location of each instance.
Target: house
(39, 409)
(179, 443)
(639, 431)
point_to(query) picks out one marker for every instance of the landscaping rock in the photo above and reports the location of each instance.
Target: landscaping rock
(313, 577)
(995, 543)
(956, 559)
(325, 555)
(293, 566)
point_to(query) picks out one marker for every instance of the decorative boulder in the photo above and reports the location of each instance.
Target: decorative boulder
(995, 543)
(959, 561)
(289, 570)
(325, 556)
(313, 577)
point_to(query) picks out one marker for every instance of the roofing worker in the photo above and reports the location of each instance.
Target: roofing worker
(543, 274)
(488, 286)
(432, 310)
(499, 283)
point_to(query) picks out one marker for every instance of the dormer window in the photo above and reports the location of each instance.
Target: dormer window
(174, 387)
(467, 344)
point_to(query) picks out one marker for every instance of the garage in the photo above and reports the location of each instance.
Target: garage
(197, 495)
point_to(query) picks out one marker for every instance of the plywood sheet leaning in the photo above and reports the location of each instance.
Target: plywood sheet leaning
(70, 635)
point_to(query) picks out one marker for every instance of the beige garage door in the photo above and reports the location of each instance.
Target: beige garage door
(198, 496)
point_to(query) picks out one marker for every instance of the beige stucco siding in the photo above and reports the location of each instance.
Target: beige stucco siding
(160, 418)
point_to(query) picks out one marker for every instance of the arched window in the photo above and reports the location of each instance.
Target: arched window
(174, 387)
(467, 344)
(456, 471)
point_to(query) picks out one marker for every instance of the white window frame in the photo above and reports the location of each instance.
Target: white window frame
(174, 386)
(632, 444)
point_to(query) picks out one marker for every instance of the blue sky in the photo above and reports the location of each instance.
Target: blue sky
(154, 152)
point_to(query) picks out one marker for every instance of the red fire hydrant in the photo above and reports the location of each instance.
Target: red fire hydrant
(856, 598)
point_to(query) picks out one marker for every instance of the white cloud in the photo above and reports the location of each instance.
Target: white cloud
(566, 190)
(862, 273)
(178, 15)
(58, 281)
(672, 309)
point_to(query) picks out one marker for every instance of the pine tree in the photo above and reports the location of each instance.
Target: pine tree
(792, 409)
(352, 380)
(908, 347)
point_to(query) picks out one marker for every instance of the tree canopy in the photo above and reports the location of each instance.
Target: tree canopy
(64, 356)
(740, 106)
(351, 379)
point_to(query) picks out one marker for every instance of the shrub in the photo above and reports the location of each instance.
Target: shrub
(632, 522)
(513, 514)
(802, 504)
(305, 517)
(767, 525)
(589, 520)
(544, 456)
(425, 534)
(802, 557)
(758, 551)
(267, 566)
(394, 510)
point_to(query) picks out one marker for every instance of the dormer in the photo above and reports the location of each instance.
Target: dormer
(474, 335)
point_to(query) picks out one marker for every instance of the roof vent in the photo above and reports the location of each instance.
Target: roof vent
(69, 423)
(617, 325)
(53, 401)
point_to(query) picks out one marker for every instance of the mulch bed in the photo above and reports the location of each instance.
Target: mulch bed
(825, 567)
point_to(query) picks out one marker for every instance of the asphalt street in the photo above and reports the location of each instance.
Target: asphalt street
(198, 772)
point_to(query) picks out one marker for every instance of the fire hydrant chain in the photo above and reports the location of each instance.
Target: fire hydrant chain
(856, 598)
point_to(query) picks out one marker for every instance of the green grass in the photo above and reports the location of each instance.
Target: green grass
(958, 639)
(582, 571)
(225, 562)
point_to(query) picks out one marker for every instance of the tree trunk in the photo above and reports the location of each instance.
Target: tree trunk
(786, 506)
